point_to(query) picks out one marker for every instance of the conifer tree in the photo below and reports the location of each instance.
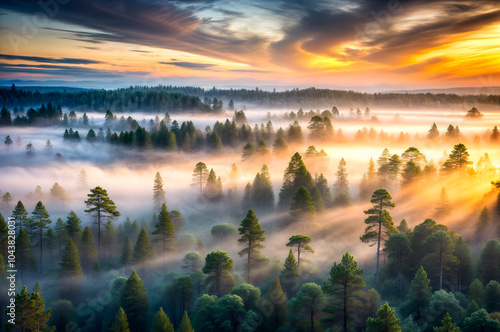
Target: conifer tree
(342, 184)
(296, 175)
(419, 297)
(289, 276)
(40, 222)
(433, 132)
(126, 255)
(448, 325)
(88, 250)
(71, 272)
(319, 205)
(458, 159)
(192, 261)
(322, 184)
(158, 191)
(30, 312)
(20, 215)
(344, 286)
(73, 228)
(161, 322)
(379, 218)
(50, 241)
(135, 302)
(385, 321)
(308, 305)
(279, 146)
(177, 220)
(218, 264)
(443, 208)
(489, 262)
(279, 307)
(441, 247)
(246, 201)
(262, 194)
(102, 209)
(185, 325)
(302, 243)
(482, 225)
(302, 208)
(61, 234)
(213, 189)
(25, 260)
(143, 250)
(120, 324)
(164, 232)
(252, 236)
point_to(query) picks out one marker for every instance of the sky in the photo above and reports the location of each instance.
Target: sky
(297, 43)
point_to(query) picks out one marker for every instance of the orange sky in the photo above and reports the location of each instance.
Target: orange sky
(274, 43)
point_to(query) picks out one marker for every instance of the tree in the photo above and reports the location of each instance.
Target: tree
(289, 276)
(411, 174)
(443, 303)
(308, 304)
(40, 218)
(495, 135)
(102, 209)
(91, 136)
(73, 228)
(489, 262)
(88, 250)
(385, 321)
(482, 225)
(161, 322)
(30, 150)
(50, 241)
(322, 184)
(185, 325)
(8, 140)
(419, 297)
(218, 264)
(25, 260)
(83, 179)
(127, 253)
(279, 146)
(248, 152)
(441, 248)
(120, 324)
(447, 326)
(213, 187)
(71, 272)
(61, 314)
(20, 214)
(262, 194)
(492, 296)
(143, 250)
(342, 184)
(480, 322)
(296, 175)
(224, 232)
(302, 208)
(302, 243)
(379, 217)
(164, 232)
(252, 236)
(443, 209)
(158, 192)
(398, 250)
(476, 291)
(433, 132)
(278, 307)
(6, 200)
(192, 261)
(394, 169)
(344, 286)
(30, 312)
(134, 301)
(249, 294)
(458, 159)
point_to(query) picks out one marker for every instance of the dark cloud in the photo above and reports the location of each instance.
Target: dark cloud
(189, 65)
(72, 71)
(71, 61)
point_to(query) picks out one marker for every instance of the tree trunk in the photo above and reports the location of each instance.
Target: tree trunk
(440, 273)
(99, 235)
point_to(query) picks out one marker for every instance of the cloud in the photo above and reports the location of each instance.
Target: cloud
(73, 61)
(189, 65)
(73, 71)
(248, 71)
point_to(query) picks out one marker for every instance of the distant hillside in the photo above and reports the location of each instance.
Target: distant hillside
(45, 89)
(483, 90)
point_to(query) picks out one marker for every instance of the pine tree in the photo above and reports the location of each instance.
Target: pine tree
(143, 250)
(102, 209)
(394, 169)
(50, 241)
(385, 321)
(319, 205)
(135, 303)
(279, 307)
(302, 243)
(120, 324)
(248, 152)
(161, 322)
(20, 215)
(158, 192)
(164, 232)
(458, 159)
(289, 276)
(185, 325)
(441, 248)
(419, 297)
(25, 260)
(126, 255)
(302, 208)
(322, 184)
(177, 220)
(83, 179)
(252, 236)
(489, 262)
(307, 305)
(342, 184)
(379, 217)
(213, 189)
(218, 264)
(448, 325)
(443, 208)
(40, 222)
(383, 169)
(433, 132)
(30, 312)
(279, 146)
(344, 286)
(88, 250)
(482, 225)
(73, 228)
(262, 194)
(71, 272)
(61, 234)
(296, 175)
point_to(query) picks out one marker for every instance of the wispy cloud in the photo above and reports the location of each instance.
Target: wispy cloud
(72, 61)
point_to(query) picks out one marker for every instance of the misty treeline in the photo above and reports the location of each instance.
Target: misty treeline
(172, 98)
(151, 274)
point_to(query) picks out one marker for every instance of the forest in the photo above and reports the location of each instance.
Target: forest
(183, 209)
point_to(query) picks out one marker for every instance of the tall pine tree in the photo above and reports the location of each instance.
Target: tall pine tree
(252, 236)
(135, 303)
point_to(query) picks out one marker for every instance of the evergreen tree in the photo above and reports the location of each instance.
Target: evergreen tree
(344, 287)
(480, 322)
(411, 174)
(50, 241)
(252, 236)
(73, 228)
(489, 262)
(40, 222)
(120, 324)
(143, 250)
(302, 208)
(279, 146)
(164, 232)
(88, 250)
(385, 321)
(278, 307)
(394, 169)
(441, 247)
(71, 272)
(185, 325)
(482, 225)
(25, 260)
(447, 326)
(158, 192)
(126, 255)
(102, 209)
(492, 296)
(495, 135)
(213, 189)
(161, 322)
(262, 194)
(262, 150)
(289, 276)
(433, 132)
(192, 261)
(307, 305)
(418, 299)
(30, 312)
(246, 201)
(83, 179)
(217, 266)
(341, 186)
(443, 208)
(319, 205)
(476, 291)
(296, 175)
(135, 303)
(322, 185)
(458, 159)
(379, 218)
(302, 243)
(20, 215)
(248, 152)
(61, 234)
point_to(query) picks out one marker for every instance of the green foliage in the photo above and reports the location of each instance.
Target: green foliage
(441, 304)
(158, 191)
(213, 187)
(164, 231)
(127, 253)
(275, 303)
(25, 260)
(480, 322)
(252, 236)
(492, 296)
(88, 250)
(61, 314)
(73, 228)
(418, 299)
(476, 291)
(30, 312)
(302, 208)
(385, 321)
(71, 271)
(307, 306)
(161, 323)
(120, 324)
(249, 294)
(302, 243)
(296, 176)
(218, 264)
(289, 276)
(262, 195)
(185, 325)
(441, 249)
(143, 250)
(224, 232)
(134, 301)
(192, 261)
(40, 221)
(447, 325)
(20, 214)
(398, 250)
(458, 159)
(203, 313)
(322, 184)
(489, 261)
(344, 287)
